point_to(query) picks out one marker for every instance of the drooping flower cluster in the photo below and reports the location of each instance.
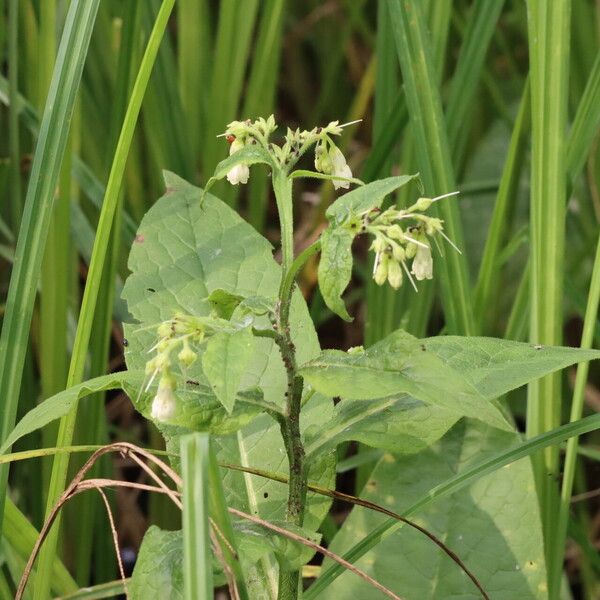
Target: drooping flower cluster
(176, 338)
(329, 159)
(403, 235)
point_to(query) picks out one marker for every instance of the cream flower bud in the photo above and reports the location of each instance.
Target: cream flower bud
(381, 271)
(239, 173)
(394, 275)
(395, 232)
(323, 162)
(187, 356)
(164, 404)
(422, 204)
(411, 250)
(164, 329)
(433, 225)
(398, 253)
(340, 168)
(422, 267)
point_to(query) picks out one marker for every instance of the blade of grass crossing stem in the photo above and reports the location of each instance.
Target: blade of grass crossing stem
(548, 28)
(260, 96)
(13, 115)
(221, 518)
(91, 425)
(587, 338)
(453, 485)
(197, 554)
(488, 278)
(80, 347)
(38, 209)
(433, 155)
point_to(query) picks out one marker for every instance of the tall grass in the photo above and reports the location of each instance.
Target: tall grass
(496, 99)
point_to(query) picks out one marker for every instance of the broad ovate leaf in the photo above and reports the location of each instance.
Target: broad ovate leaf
(335, 268)
(184, 251)
(224, 363)
(493, 525)
(365, 198)
(399, 364)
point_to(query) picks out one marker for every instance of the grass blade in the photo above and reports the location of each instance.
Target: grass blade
(38, 209)
(197, 555)
(433, 153)
(103, 233)
(549, 29)
(456, 483)
(587, 339)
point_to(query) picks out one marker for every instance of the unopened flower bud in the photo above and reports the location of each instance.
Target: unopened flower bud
(165, 329)
(395, 232)
(411, 250)
(422, 204)
(394, 275)
(187, 356)
(381, 271)
(433, 225)
(398, 253)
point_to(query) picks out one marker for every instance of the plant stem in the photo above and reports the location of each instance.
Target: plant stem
(290, 426)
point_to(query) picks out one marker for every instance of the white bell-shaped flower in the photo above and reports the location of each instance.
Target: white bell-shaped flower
(340, 168)
(164, 404)
(239, 173)
(422, 266)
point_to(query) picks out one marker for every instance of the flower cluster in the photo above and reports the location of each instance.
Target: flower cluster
(402, 236)
(176, 338)
(329, 159)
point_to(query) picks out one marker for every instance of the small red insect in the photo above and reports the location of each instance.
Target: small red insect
(230, 139)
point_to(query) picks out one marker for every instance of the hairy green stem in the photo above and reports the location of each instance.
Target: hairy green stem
(290, 425)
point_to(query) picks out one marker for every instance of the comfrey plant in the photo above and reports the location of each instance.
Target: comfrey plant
(224, 344)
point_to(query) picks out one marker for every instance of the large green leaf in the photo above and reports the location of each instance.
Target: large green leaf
(398, 424)
(496, 366)
(183, 252)
(399, 364)
(158, 572)
(494, 525)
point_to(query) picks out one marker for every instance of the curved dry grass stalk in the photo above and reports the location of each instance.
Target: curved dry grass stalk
(79, 485)
(372, 506)
(115, 537)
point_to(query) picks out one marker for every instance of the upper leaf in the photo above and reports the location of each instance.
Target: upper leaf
(335, 268)
(365, 198)
(224, 363)
(399, 364)
(496, 366)
(248, 155)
